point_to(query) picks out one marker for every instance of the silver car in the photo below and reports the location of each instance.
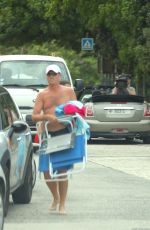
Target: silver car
(2, 196)
(118, 116)
(16, 154)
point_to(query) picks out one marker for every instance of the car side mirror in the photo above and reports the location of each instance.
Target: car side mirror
(78, 87)
(19, 127)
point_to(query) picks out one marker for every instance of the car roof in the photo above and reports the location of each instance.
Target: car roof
(30, 57)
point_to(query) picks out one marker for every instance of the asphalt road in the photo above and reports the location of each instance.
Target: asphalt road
(113, 193)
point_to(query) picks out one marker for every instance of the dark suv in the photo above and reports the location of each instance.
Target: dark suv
(16, 151)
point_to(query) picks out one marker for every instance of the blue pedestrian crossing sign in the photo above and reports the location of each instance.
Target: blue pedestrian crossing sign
(87, 43)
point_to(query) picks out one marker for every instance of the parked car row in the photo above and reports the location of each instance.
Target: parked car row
(22, 77)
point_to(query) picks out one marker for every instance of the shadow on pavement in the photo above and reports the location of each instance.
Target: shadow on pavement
(114, 141)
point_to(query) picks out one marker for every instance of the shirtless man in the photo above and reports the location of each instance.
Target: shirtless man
(46, 102)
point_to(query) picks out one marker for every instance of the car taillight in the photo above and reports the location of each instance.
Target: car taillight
(147, 112)
(36, 138)
(89, 110)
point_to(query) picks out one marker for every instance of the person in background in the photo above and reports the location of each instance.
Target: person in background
(123, 85)
(47, 100)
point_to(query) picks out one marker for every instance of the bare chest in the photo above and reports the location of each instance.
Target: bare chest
(53, 100)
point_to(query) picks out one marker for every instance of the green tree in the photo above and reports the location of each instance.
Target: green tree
(120, 29)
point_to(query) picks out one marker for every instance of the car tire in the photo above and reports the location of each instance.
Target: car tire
(24, 193)
(129, 139)
(33, 172)
(146, 140)
(6, 203)
(1, 208)
(89, 141)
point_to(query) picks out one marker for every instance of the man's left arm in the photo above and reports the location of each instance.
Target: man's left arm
(72, 95)
(132, 91)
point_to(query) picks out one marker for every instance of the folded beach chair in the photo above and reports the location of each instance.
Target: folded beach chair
(67, 152)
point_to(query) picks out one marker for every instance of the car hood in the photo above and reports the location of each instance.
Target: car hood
(24, 98)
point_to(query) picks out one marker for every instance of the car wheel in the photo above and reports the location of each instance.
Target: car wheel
(6, 203)
(33, 173)
(89, 141)
(1, 209)
(24, 193)
(146, 140)
(129, 139)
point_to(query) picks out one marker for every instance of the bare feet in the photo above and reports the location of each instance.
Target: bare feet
(62, 210)
(54, 205)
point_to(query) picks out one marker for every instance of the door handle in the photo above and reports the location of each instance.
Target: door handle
(19, 138)
(27, 134)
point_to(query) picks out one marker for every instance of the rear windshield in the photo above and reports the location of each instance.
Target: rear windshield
(28, 72)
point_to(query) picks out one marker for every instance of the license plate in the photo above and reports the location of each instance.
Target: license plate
(118, 111)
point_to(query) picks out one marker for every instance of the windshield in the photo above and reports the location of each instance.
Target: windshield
(28, 72)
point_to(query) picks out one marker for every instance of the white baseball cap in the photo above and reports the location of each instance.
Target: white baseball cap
(54, 68)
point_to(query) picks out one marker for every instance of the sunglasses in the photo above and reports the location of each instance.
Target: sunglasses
(51, 73)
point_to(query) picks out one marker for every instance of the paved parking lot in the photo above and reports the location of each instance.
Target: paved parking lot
(132, 159)
(107, 195)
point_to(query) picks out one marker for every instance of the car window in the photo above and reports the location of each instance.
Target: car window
(12, 108)
(28, 72)
(5, 113)
(8, 111)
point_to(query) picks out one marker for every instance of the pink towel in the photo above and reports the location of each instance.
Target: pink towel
(72, 109)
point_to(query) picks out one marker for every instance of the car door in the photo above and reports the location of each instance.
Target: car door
(13, 142)
(23, 138)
